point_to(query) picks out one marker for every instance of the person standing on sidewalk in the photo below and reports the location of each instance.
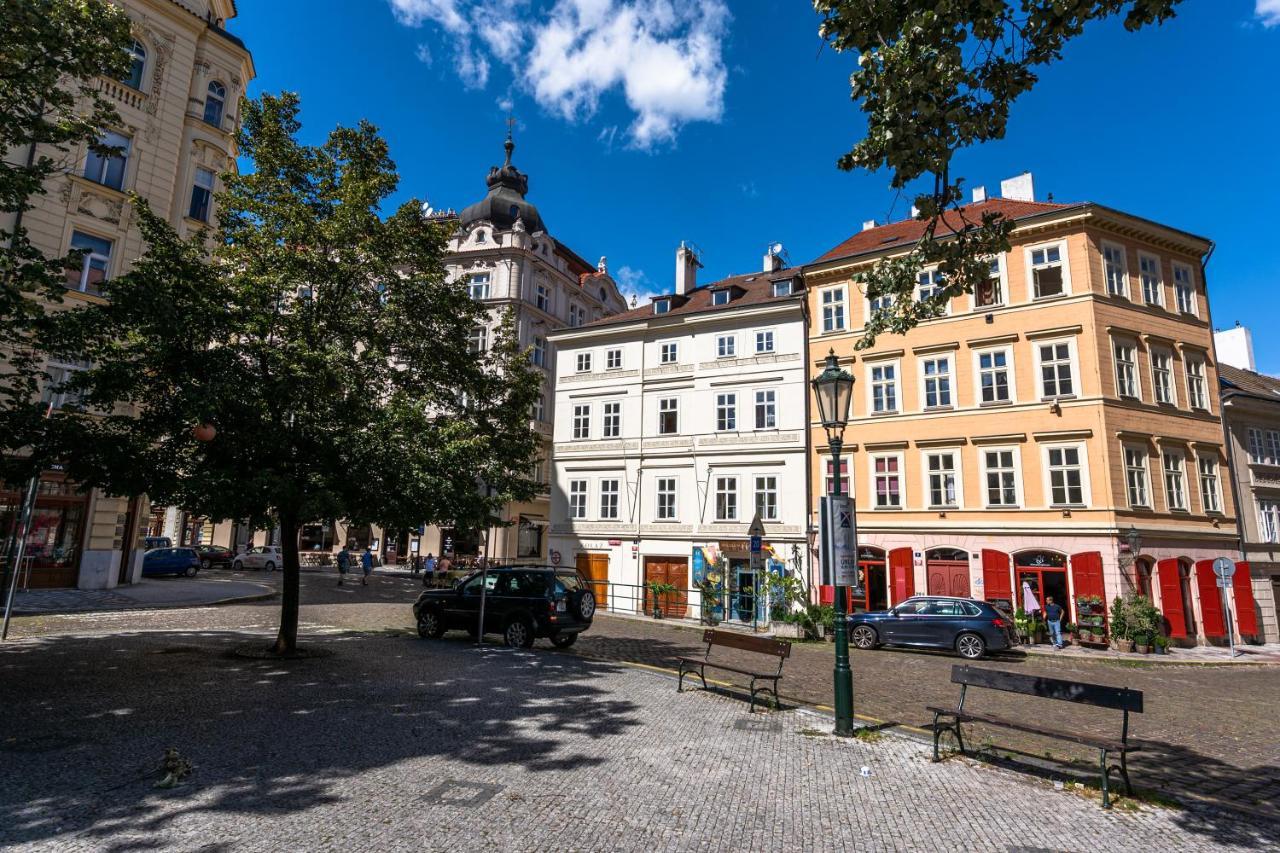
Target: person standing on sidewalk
(1053, 616)
(366, 563)
(344, 564)
(428, 569)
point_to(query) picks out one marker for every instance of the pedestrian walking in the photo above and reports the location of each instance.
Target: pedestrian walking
(344, 564)
(1053, 615)
(366, 563)
(428, 569)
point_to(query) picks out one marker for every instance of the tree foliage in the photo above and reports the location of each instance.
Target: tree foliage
(323, 342)
(934, 77)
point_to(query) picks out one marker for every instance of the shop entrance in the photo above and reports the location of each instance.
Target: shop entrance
(947, 572)
(57, 529)
(594, 569)
(1044, 574)
(672, 570)
(874, 580)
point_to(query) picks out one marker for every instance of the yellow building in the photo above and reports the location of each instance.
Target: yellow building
(179, 114)
(1009, 446)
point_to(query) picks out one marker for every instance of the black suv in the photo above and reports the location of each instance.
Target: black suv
(520, 602)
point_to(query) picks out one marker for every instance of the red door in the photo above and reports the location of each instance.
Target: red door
(1086, 576)
(1210, 600)
(995, 576)
(902, 574)
(948, 577)
(1171, 598)
(1246, 618)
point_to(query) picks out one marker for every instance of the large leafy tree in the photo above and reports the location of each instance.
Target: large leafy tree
(321, 340)
(934, 77)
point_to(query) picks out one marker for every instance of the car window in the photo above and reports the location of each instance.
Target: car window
(971, 609)
(472, 587)
(909, 608)
(568, 580)
(527, 583)
(943, 608)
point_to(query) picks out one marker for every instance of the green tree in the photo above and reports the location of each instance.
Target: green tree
(53, 54)
(936, 76)
(320, 339)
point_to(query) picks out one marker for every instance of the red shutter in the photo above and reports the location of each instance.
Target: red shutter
(1246, 617)
(1210, 600)
(1171, 597)
(1086, 575)
(903, 571)
(996, 582)
(826, 594)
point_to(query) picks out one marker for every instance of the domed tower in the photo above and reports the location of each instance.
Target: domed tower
(505, 203)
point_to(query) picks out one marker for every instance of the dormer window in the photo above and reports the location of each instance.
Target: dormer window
(720, 297)
(661, 306)
(480, 236)
(782, 288)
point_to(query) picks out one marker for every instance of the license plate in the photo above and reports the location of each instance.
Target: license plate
(561, 607)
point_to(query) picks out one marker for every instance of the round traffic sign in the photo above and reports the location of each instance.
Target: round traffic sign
(1224, 568)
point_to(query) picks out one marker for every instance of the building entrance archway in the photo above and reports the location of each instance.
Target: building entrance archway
(1044, 573)
(947, 572)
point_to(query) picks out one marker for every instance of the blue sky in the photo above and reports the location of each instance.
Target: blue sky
(643, 123)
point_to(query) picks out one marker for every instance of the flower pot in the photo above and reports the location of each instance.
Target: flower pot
(1162, 650)
(1144, 650)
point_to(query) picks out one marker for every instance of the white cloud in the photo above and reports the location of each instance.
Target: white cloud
(664, 57)
(634, 282)
(1268, 11)
(424, 55)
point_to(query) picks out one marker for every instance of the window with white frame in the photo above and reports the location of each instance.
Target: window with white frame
(61, 370)
(721, 297)
(666, 492)
(1066, 475)
(480, 236)
(577, 498)
(611, 422)
(1184, 288)
(661, 306)
(990, 293)
(879, 303)
(845, 485)
(201, 195)
(669, 416)
(542, 297)
(478, 285)
(1137, 476)
(577, 315)
(993, 377)
(214, 101)
(1115, 269)
(539, 408)
(929, 284)
(1210, 487)
(833, 319)
(884, 387)
(478, 340)
(726, 346)
(669, 353)
(766, 409)
(942, 470)
(90, 273)
(608, 499)
(1264, 446)
(583, 362)
(999, 468)
(1175, 480)
(1149, 275)
(767, 497)
(782, 288)
(582, 420)
(937, 382)
(538, 352)
(1056, 379)
(1269, 520)
(886, 481)
(764, 341)
(1127, 370)
(137, 65)
(726, 412)
(726, 498)
(1162, 377)
(108, 168)
(1197, 396)
(613, 359)
(1047, 265)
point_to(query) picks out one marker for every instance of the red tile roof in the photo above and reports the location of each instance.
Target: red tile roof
(757, 288)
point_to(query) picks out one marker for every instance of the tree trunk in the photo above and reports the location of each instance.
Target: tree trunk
(287, 639)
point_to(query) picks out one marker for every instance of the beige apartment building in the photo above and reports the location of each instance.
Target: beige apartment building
(1006, 448)
(178, 110)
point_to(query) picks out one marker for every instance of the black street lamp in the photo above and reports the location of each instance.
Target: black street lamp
(833, 389)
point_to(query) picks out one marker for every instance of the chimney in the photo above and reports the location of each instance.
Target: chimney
(773, 258)
(1019, 188)
(868, 224)
(1235, 347)
(979, 194)
(686, 269)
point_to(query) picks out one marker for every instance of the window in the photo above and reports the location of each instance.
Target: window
(611, 426)
(137, 65)
(1175, 484)
(613, 359)
(669, 353)
(538, 353)
(1162, 377)
(480, 238)
(1055, 370)
(993, 377)
(782, 288)
(1002, 478)
(1115, 270)
(1127, 371)
(1136, 476)
(542, 297)
(886, 477)
(577, 315)
(726, 346)
(478, 285)
(669, 416)
(608, 498)
(720, 297)
(478, 340)
(726, 498)
(540, 409)
(1149, 274)
(943, 491)
(929, 284)
(108, 169)
(213, 103)
(764, 341)
(990, 293)
(201, 195)
(1066, 478)
(577, 498)
(61, 370)
(833, 309)
(661, 306)
(1269, 520)
(844, 478)
(1049, 275)
(1184, 288)
(1210, 493)
(884, 388)
(767, 498)
(666, 498)
(582, 421)
(726, 412)
(1196, 394)
(766, 409)
(583, 363)
(91, 273)
(937, 382)
(1264, 447)
(879, 303)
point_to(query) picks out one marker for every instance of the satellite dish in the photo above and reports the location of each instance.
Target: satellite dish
(775, 249)
(427, 209)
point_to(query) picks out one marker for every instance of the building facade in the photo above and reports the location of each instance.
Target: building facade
(178, 110)
(675, 424)
(1010, 444)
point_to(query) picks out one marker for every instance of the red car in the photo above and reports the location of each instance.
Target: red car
(214, 555)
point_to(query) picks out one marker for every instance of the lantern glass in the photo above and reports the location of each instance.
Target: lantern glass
(833, 389)
(1134, 540)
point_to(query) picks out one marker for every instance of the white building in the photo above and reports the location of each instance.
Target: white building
(675, 423)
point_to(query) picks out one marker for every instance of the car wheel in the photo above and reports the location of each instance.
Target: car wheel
(237, 566)
(865, 637)
(564, 641)
(518, 634)
(430, 626)
(971, 646)
(206, 564)
(271, 567)
(586, 606)
(191, 571)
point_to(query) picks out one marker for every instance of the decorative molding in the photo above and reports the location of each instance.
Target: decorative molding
(1058, 332)
(886, 445)
(942, 442)
(992, 340)
(1063, 435)
(926, 349)
(766, 437)
(883, 355)
(1014, 437)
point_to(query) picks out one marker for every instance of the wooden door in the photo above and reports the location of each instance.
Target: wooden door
(594, 569)
(902, 575)
(948, 577)
(672, 570)
(995, 576)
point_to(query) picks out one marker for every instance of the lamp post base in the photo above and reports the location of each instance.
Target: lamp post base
(843, 675)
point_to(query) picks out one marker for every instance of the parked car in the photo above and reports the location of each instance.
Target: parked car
(214, 555)
(171, 561)
(149, 542)
(520, 602)
(262, 557)
(972, 628)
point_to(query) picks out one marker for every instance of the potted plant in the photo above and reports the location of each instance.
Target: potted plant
(1142, 642)
(660, 590)
(1120, 626)
(1144, 620)
(1072, 632)
(1161, 644)
(710, 594)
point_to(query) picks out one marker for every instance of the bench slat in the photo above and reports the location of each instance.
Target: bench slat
(747, 643)
(1086, 740)
(740, 671)
(1098, 695)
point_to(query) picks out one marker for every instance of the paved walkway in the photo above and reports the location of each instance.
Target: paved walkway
(393, 743)
(147, 594)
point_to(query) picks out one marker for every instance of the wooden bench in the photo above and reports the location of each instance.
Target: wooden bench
(780, 649)
(1097, 695)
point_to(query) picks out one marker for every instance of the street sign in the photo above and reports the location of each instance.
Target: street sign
(1224, 568)
(756, 530)
(843, 554)
(555, 557)
(1224, 583)
(757, 544)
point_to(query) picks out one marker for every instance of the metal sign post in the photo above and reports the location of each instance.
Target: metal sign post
(24, 529)
(1225, 569)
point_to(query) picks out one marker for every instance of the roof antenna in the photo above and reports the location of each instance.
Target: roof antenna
(510, 144)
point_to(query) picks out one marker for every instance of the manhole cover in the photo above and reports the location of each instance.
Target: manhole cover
(749, 725)
(454, 792)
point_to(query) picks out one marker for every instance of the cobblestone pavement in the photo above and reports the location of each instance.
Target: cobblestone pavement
(392, 743)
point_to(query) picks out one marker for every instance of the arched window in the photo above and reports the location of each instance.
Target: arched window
(1184, 587)
(214, 102)
(1142, 576)
(950, 554)
(480, 236)
(137, 65)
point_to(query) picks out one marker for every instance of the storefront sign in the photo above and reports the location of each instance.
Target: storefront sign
(613, 542)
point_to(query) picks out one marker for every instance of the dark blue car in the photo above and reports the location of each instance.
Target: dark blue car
(171, 561)
(970, 627)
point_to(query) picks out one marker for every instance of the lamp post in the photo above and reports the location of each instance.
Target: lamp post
(833, 389)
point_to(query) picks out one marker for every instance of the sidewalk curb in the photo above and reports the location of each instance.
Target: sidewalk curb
(233, 599)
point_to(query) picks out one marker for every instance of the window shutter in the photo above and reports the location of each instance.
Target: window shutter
(1210, 600)
(1242, 586)
(996, 582)
(1086, 575)
(902, 569)
(1171, 598)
